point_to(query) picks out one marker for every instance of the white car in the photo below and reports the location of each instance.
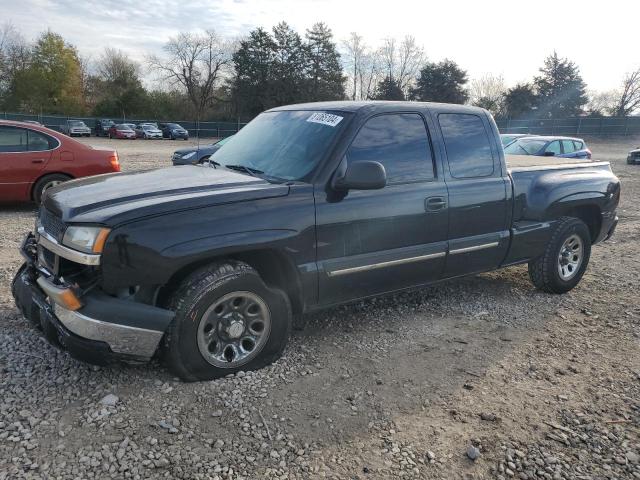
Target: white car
(75, 128)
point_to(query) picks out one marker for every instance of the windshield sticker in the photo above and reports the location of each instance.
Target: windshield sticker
(325, 119)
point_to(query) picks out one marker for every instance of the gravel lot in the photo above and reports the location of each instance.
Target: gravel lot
(482, 377)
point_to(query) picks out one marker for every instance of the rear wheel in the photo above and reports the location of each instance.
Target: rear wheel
(46, 183)
(227, 320)
(564, 261)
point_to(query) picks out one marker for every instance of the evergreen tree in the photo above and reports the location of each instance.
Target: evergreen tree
(560, 88)
(254, 62)
(388, 89)
(520, 101)
(325, 79)
(287, 80)
(441, 82)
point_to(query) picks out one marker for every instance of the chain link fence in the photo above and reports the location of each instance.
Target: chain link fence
(196, 129)
(574, 126)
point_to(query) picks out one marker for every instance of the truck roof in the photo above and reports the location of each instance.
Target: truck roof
(377, 106)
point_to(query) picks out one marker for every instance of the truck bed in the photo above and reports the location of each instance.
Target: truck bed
(524, 161)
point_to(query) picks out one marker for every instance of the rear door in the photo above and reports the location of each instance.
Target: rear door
(24, 153)
(373, 241)
(477, 185)
(568, 149)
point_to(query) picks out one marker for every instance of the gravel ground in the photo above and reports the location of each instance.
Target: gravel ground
(482, 377)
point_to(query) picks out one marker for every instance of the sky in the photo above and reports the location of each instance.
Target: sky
(508, 38)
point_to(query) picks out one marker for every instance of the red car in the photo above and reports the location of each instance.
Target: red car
(122, 131)
(34, 158)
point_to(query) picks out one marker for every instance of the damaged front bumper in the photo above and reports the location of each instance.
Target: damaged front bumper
(99, 329)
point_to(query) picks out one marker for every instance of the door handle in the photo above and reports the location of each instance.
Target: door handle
(433, 204)
(38, 160)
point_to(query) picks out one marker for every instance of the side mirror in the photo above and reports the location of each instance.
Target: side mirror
(549, 154)
(365, 175)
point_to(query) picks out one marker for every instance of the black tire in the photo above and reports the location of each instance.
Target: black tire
(196, 294)
(46, 182)
(544, 270)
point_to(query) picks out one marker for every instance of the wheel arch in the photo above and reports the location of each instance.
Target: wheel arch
(274, 267)
(32, 189)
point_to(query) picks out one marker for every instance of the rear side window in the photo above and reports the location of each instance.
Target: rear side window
(39, 142)
(578, 145)
(13, 139)
(568, 146)
(553, 147)
(467, 145)
(399, 142)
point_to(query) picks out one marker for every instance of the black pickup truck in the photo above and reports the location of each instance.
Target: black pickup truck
(308, 206)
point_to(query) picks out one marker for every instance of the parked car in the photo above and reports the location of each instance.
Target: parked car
(309, 206)
(34, 158)
(102, 127)
(147, 130)
(174, 131)
(565, 147)
(75, 128)
(634, 157)
(507, 138)
(122, 131)
(198, 154)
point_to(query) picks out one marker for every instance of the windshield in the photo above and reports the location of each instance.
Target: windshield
(507, 139)
(525, 146)
(173, 125)
(123, 127)
(287, 144)
(77, 123)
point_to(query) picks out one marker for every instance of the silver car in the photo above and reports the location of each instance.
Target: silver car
(75, 128)
(148, 130)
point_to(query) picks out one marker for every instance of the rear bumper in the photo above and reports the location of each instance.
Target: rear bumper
(104, 329)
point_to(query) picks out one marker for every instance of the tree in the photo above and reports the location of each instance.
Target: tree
(520, 101)
(388, 89)
(15, 55)
(560, 89)
(601, 104)
(53, 80)
(354, 58)
(287, 73)
(119, 85)
(629, 96)
(324, 72)
(196, 63)
(253, 62)
(441, 82)
(488, 92)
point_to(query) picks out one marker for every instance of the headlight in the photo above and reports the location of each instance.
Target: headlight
(85, 239)
(189, 155)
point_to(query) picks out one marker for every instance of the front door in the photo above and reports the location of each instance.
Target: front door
(375, 241)
(478, 204)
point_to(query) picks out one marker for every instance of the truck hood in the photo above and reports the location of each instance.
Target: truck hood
(117, 198)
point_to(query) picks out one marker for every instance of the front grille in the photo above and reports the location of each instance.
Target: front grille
(52, 225)
(635, 155)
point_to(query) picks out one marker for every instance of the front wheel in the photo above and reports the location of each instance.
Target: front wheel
(227, 320)
(564, 261)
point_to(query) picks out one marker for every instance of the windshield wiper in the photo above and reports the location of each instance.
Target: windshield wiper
(254, 172)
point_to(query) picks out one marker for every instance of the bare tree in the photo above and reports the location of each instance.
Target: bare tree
(488, 92)
(602, 103)
(197, 63)
(387, 54)
(114, 66)
(354, 57)
(410, 59)
(629, 95)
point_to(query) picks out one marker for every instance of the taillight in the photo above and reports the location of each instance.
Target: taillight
(588, 154)
(113, 160)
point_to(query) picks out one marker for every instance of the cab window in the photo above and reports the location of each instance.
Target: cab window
(399, 142)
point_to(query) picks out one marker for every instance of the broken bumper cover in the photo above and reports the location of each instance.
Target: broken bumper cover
(103, 330)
